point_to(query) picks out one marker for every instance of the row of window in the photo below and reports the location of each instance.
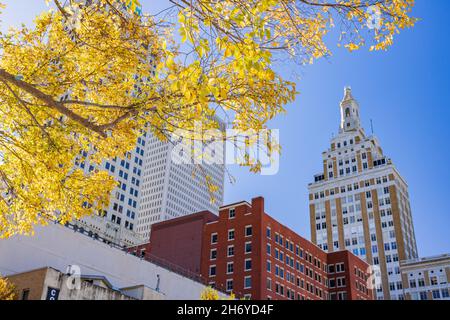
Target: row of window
(350, 187)
(231, 234)
(289, 245)
(290, 293)
(230, 283)
(231, 251)
(230, 267)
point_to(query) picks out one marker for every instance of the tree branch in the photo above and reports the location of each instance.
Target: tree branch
(48, 100)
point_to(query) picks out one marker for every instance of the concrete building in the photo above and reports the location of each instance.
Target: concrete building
(152, 187)
(117, 223)
(360, 202)
(171, 189)
(51, 284)
(426, 278)
(59, 247)
(247, 252)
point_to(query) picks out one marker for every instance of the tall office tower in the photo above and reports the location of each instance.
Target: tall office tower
(171, 189)
(360, 202)
(117, 224)
(153, 186)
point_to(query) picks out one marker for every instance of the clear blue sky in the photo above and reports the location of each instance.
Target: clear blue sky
(405, 91)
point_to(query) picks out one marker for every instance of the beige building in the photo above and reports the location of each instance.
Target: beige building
(51, 284)
(360, 202)
(426, 278)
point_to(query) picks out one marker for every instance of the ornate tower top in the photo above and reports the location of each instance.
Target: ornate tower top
(349, 112)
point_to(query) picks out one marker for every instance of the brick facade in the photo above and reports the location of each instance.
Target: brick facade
(246, 251)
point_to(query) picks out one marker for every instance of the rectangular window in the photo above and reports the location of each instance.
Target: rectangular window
(230, 234)
(25, 294)
(248, 247)
(269, 284)
(213, 254)
(340, 267)
(247, 282)
(230, 252)
(231, 213)
(229, 285)
(212, 271)
(230, 267)
(248, 231)
(331, 268)
(248, 264)
(214, 238)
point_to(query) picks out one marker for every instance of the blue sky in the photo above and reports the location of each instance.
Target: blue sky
(405, 91)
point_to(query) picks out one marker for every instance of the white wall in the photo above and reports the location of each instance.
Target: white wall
(57, 246)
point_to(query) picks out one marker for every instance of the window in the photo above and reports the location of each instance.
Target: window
(331, 268)
(214, 238)
(268, 233)
(269, 284)
(213, 254)
(248, 231)
(269, 266)
(230, 234)
(247, 282)
(248, 264)
(340, 267)
(421, 282)
(423, 295)
(340, 282)
(25, 294)
(436, 294)
(248, 247)
(268, 249)
(230, 267)
(332, 283)
(231, 213)
(230, 252)
(229, 285)
(212, 271)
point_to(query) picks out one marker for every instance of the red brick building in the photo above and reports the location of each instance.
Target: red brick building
(246, 251)
(347, 277)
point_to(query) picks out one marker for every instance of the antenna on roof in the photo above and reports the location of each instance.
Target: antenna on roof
(371, 125)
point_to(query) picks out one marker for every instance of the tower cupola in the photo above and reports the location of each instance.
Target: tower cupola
(349, 112)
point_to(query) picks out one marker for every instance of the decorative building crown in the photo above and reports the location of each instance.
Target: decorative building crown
(349, 112)
(348, 94)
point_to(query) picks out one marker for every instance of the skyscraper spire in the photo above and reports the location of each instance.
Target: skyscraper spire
(349, 112)
(348, 94)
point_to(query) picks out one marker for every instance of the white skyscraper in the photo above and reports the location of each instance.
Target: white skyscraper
(360, 202)
(170, 189)
(118, 223)
(151, 188)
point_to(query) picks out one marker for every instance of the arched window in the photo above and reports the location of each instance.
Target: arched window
(347, 112)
